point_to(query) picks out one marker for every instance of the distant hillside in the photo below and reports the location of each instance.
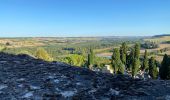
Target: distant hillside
(162, 35)
(159, 38)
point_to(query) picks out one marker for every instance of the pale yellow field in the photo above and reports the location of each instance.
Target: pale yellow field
(100, 50)
(157, 57)
(23, 43)
(161, 46)
(105, 54)
(159, 39)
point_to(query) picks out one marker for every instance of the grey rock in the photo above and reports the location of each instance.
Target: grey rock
(24, 77)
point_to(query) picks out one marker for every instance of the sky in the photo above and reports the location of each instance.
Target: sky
(74, 18)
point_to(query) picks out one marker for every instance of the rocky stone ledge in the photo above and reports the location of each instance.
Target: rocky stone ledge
(25, 78)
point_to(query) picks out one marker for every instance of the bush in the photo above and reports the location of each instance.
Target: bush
(2, 48)
(74, 59)
(42, 54)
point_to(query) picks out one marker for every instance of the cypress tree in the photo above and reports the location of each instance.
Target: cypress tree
(135, 66)
(145, 61)
(137, 50)
(116, 62)
(153, 72)
(89, 62)
(91, 58)
(123, 53)
(165, 68)
(136, 61)
(130, 58)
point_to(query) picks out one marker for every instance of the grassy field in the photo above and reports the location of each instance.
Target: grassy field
(102, 46)
(158, 39)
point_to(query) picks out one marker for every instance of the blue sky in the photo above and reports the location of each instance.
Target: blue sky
(22, 18)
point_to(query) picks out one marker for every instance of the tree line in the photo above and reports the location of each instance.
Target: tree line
(126, 59)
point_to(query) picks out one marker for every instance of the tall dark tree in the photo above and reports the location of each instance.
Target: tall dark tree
(145, 61)
(164, 71)
(116, 62)
(137, 50)
(123, 52)
(88, 60)
(153, 72)
(91, 58)
(136, 61)
(130, 58)
(135, 66)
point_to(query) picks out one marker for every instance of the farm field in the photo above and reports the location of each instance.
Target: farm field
(62, 47)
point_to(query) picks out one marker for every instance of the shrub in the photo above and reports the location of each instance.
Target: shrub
(42, 54)
(2, 48)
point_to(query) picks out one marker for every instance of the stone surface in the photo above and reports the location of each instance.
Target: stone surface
(25, 78)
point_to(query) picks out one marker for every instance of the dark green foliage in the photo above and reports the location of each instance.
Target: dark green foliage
(150, 45)
(121, 68)
(135, 66)
(145, 61)
(115, 59)
(91, 58)
(116, 62)
(130, 59)
(88, 60)
(137, 51)
(123, 52)
(136, 61)
(7, 44)
(165, 68)
(153, 72)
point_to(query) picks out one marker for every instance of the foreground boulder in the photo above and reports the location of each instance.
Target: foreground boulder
(25, 78)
